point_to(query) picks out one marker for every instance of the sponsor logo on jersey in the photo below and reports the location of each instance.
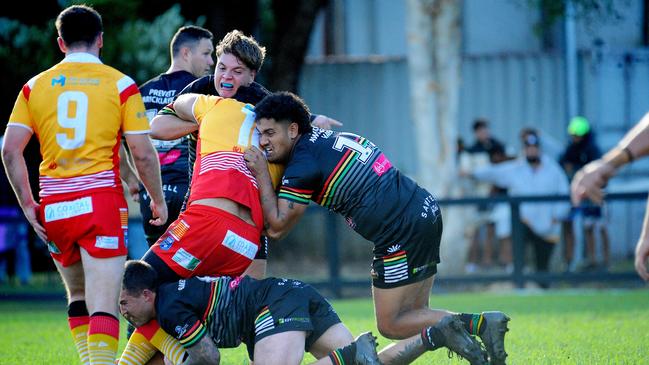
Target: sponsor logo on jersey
(181, 284)
(240, 245)
(235, 282)
(381, 165)
(186, 259)
(166, 243)
(59, 80)
(294, 319)
(107, 242)
(69, 209)
(421, 268)
(180, 331)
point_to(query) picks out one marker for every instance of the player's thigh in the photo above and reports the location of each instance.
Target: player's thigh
(283, 348)
(73, 278)
(335, 337)
(389, 303)
(103, 277)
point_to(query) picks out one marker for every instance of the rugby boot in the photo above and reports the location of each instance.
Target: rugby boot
(458, 340)
(493, 336)
(366, 350)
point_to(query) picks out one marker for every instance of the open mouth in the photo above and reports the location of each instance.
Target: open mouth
(227, 85)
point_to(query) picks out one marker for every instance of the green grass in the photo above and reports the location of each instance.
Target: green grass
(560, 327)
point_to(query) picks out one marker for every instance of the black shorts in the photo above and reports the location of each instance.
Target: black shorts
(174, 196)
(291, 305)
(411, 253)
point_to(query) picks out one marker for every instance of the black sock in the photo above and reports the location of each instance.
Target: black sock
(345, 355)
(474, 323)
(432, 338)
(77, 309)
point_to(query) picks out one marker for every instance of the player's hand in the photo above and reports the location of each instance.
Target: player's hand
(324, 122)
(589, 182)
(159, 213)
(134, 190)
(256, 161)
(31, 213)
(641, 257)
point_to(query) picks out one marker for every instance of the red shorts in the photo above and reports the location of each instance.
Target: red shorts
(207, 241)
(95, 220)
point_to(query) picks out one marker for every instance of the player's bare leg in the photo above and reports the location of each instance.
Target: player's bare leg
(78, 317)
(102, 286)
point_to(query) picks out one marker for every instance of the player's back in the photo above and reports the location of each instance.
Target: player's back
(78, 109)
(226, 128)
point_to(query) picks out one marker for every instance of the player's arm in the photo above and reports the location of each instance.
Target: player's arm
(589, 181)
(147, 165)
(176, 119)
(203, 352)
(280, 215)
(15, 140)
(642, 248)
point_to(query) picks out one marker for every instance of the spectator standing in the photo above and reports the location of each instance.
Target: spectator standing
(581, 150)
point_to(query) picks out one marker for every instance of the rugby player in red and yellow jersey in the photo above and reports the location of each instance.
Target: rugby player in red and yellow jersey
(219, 233)
(78, 110)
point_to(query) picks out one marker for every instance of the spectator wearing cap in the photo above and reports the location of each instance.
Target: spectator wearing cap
(581, 150)
(533, 173)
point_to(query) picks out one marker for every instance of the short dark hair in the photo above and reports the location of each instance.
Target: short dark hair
(139, 275)
(480, 123)
(189, 35)
(244, 48)
(285, 107)
(79, 25)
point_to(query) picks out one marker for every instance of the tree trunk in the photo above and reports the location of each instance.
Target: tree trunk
(293, 24)
(434, 61)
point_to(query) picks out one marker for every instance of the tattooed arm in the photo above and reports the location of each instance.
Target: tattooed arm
(204, 352)
(280, 215)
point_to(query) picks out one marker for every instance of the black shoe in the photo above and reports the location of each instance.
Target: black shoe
(366, 350)
(493, 336)
(458, 340)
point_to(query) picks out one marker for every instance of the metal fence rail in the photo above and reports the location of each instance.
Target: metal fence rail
(336, 283)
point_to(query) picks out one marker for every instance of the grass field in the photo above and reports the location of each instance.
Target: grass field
(556, 327)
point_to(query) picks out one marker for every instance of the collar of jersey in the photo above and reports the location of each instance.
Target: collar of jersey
(81, 57)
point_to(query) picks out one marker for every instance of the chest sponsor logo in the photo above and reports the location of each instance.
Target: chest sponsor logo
(111, 243)
(240, 245)
(65, 210)
(186, 259)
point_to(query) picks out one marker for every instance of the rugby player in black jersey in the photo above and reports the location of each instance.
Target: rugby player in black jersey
(349, 174)
(277, 319)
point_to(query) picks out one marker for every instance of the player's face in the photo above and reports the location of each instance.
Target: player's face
(200, 58)
(276, 139)
(230, 73)
(138, 310)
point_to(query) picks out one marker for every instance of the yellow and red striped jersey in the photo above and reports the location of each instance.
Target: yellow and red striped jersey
(79, 109)
(226, 128)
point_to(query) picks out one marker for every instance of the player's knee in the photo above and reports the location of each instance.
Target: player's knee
(389, 328)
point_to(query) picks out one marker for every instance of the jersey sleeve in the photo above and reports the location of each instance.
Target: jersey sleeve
(300, 180)
(179, 308)
(20, 115)
(134, 119)
(203, 104)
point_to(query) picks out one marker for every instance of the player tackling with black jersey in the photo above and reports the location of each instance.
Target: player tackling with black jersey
(350, 175)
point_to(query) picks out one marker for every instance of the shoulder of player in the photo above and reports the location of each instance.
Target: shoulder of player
(203, 85)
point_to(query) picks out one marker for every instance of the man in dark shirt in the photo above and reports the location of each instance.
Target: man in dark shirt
(350, 175)
(191, 57)
(278, 319)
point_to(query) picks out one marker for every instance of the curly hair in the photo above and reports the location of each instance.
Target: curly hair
(285, 107)
(245, 48)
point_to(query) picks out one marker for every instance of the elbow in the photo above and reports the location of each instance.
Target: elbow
(275, 234)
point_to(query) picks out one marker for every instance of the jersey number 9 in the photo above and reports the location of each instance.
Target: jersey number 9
(72, 113)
